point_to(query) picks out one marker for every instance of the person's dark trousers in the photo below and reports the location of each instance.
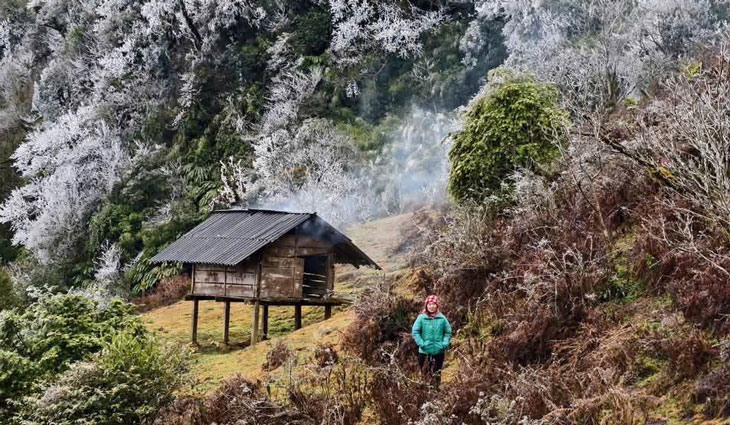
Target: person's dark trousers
(430, 365)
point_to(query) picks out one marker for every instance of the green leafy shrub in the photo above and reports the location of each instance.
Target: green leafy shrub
(128, 382)
(8, 296)
(51, 335)
(622, 287)
(517, 123)
(314, 33)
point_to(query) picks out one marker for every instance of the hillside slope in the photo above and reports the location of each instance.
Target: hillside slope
(381, 239)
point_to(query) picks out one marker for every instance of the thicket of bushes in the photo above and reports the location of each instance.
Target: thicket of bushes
(69, 359)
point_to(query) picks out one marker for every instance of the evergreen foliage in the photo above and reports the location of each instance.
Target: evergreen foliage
(49, 337)
(128, 382)
(517, 123)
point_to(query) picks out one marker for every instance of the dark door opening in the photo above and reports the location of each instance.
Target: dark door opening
(315, 276)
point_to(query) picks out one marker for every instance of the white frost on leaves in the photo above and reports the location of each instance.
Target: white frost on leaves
(359, 26)
(352, 89)
(70, 164)
(288, 91)
(108, 265)
(314, 167)
(279, 53)
(15, 74)
(307, 169)
(237, 181)
(605, 50)
(4, 35)
(200, 21)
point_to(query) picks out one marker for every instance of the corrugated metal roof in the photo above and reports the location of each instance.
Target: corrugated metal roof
(228, 237)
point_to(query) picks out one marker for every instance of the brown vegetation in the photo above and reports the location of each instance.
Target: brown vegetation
(165, 293)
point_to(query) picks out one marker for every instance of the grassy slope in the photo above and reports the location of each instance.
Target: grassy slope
(380, 239)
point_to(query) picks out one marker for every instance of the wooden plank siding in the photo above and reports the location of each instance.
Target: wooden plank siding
(281, 277)
(215, 280)
(278, 270)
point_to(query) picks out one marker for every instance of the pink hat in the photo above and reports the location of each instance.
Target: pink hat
(432, 299)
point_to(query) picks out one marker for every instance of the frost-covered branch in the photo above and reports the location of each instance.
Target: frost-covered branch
(360, 26)
(70, 165)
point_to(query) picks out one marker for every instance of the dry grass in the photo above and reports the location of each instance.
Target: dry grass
(216, 362)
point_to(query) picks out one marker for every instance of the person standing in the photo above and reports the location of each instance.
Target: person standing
(432, 333)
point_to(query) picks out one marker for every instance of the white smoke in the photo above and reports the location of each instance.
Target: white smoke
(409, 172)
(316, 169)
(412, 169)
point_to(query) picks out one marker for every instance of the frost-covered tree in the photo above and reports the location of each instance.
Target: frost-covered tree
(600, 52)
(98, 66)
(311, 169)
(287, 93)
(70, 165)
(684, 136)
(362, 26)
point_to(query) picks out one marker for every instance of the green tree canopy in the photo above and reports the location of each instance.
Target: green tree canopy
(516, 123)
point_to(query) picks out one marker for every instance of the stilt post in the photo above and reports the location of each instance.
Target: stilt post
(327, 311)
(194, 325)
(297, 316)
(255, 330)
(226, 320)
(265, 320)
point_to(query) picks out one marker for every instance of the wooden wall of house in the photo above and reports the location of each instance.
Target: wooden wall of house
(222, 281)
(282, 272)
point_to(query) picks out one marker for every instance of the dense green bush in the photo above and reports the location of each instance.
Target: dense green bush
(517, 123)
(312, 37)
(126, 383)
(8, 295)
(51, 335)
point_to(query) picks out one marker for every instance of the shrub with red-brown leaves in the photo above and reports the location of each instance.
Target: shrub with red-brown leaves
(167, 292)
(398, 396)
(688, 259)
(689, 354)
(714, 388)
(714, 391)
(332, 395)
(456, 258)
(325, 355)
(236, 401)
(278, 355)
(382, 318)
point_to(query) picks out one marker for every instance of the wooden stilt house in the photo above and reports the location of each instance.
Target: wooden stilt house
(263, 257)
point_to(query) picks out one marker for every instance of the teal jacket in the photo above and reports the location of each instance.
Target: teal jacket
(432, 335)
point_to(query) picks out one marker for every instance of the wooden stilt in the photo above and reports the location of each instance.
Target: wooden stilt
(194, 327)
(327, 312)
(226, 320)
(255, 330)
(265, 320)
(297, 316)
